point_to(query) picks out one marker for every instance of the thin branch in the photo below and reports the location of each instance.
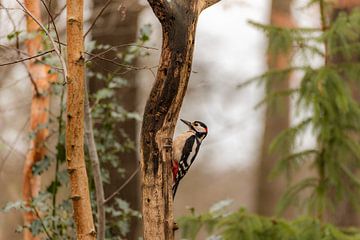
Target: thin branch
(26, 54)
(53, 22)
(119, 64)
(95, 163)
(59, 13)
(12, 84)
(18, 46)
(42, 223)
(122, 186)
(13, 145)
(118, 46)
(57, 164)
(57, 51)
(32, 80)
(97, 17)
(26, 59)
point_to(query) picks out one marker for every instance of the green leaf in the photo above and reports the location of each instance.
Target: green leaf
(17, 205)
(41, 166)
(104, 93)
(35, 227)
(145, 32)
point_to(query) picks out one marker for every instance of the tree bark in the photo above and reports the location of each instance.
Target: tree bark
(41, 80)
(178, 19)
(75, 122)
(276, 118)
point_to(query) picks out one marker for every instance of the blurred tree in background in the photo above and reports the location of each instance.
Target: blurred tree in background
(277, 117)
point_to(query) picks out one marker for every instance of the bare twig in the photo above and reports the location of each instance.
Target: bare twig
(26, 59)
(42, 223)
(13, 145)
(93, 56)
(12, 84)
(122, 186)
(97, 17)
(56, 49)
(19, 51)
(60, 12)
(52, 21)
(18, 46)
(119, 64)
(57, 164)
(118, 46)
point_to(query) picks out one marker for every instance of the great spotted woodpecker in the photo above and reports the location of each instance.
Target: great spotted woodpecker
(185, 149)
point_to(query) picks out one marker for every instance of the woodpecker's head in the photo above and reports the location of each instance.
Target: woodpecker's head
(200, 128)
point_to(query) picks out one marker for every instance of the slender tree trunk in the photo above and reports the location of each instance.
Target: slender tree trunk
(40, 79)
(276, 118)
(75, 122)
(346, 215)
(178, 19)
(95, 163)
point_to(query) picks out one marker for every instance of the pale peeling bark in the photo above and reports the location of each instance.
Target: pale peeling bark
(75, 122)
(178, 19)
(39, 115)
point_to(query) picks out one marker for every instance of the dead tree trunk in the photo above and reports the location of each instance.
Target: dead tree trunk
(178, 19)
(75, 122)
(40, 78)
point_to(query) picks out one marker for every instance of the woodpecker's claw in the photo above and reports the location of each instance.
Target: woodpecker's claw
(175, 227)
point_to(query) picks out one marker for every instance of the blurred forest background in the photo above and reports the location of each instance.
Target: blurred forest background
(262, 70)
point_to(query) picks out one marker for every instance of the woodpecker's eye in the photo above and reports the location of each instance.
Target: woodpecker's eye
(196, 124)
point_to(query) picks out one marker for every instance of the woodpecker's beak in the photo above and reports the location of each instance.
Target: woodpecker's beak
(186, 122)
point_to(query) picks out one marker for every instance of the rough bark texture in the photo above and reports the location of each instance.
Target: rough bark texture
(276, 118)
(178, 19)
(39, 112)
(346, 215)
(75, 122)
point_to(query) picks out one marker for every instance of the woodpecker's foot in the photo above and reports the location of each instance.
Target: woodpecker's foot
(175, 227)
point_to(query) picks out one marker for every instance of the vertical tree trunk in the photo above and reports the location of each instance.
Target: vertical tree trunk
(95, 163)
(178, 19)
(276, 118)
(75, 122)
(40, 78)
